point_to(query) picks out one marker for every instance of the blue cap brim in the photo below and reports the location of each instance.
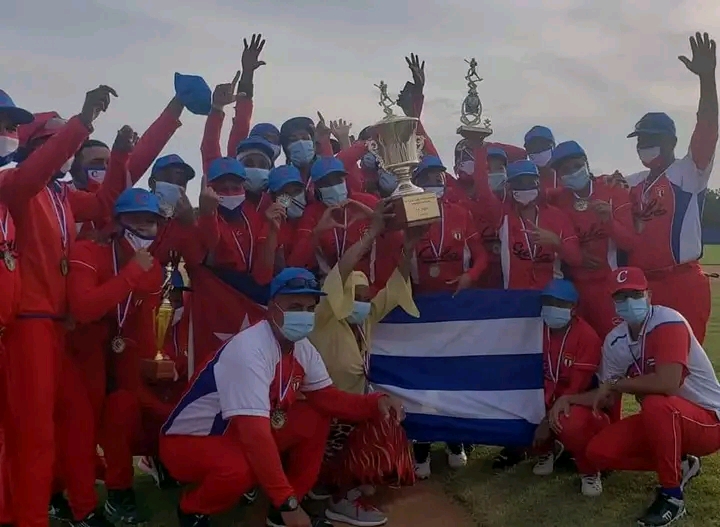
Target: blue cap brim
(649, 131)
(315, 292)
(17, 115)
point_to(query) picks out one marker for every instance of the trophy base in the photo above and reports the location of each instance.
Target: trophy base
(413, 210)
(475, 134)
(158, 370)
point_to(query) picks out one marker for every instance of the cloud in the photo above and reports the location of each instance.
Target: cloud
(587, 69)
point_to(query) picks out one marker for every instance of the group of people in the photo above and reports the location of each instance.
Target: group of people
(90, 263)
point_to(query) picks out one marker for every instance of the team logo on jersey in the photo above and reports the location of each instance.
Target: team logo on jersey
(295, 383)
(617, 321)
(457, 235)
(660, 192)
(568, 361)
(650, 364)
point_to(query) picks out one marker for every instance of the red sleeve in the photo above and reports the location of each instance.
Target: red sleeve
(305, 244)
(345, 406)
(97, 206)
(587, 358)
(477, 250)
(89, 299)
(209, 231)
(261, 453)
(183, 239)
(210, 145)
(622, 225)
(493, 207)
(241, 124)
(261, 272)
(325, 147)
(569, 249)
(670, 343)
(20, 184)
(514, 153)
(154, 140)
(350, 157)
(703, 142)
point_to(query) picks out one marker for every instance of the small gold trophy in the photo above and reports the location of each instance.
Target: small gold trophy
(395, 143)
(161, 367)
(473, 128)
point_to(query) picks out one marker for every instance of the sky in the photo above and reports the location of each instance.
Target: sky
(587, 69)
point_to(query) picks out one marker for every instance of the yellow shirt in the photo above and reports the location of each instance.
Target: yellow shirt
(332, 335)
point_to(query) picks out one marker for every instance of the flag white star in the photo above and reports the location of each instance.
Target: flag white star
(224, 337)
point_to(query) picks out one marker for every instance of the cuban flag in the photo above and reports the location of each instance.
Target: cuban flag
(469, 370)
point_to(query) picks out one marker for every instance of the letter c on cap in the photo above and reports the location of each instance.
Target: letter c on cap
(622, 276)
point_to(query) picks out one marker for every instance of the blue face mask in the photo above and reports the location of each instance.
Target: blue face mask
(369, 161)
(360, 312)
(276, 151)
(577, 180)
(333, 195)
(297, 207)
(438, 191)
(556, 317)
(301, 152)
(496, 180)
(297, 324)
(256, 180)
(633, 310)
(387, 182)
(168, 193)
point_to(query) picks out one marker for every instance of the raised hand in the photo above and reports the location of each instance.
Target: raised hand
(704, 56)
(144, 259)
(340, 129)
(224, 94)
(275, 215)
(251, 54)
(208, 202)
(322, 130)
(327, 221)
(125, 140)
(96, 101)
(417, 69)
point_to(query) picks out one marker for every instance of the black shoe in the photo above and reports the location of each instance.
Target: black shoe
(94, 519)
(663, 511)
(508, 458)
(59, 508)
(121, 506)
(192, 520)
(162, 477)
(274, 519)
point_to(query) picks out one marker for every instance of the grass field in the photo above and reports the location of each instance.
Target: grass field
(711, 255)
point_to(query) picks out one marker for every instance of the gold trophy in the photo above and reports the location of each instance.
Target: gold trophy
(161, 367)
(395, 143)
(473, 128)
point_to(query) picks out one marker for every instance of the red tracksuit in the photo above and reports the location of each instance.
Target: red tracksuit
(571, 358)
(38, 336)
(600, 241)
(548, 179)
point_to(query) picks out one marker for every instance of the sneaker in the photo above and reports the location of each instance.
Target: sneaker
(691, 468)
(94, 519)
(355, 510)
(422, 470)
(663, 511)
(59, 508)
(121, 506)
(456, 461)
(192, 520)
(251, 497)
(153, 467)
(367, 490)
(320, 492)
(274, 519)
(508, 458)
(545, 465)
(591, 485)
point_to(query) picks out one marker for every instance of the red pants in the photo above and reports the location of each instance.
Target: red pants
(687, 290)
(596, 306)
(120, 432)
(656, 438)
(221, 471)
(578, 429)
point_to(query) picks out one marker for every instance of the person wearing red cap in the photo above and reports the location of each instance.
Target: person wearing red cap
(243, 412)
(602, 216)
(668, 197)
(44, 213)
(654, 356)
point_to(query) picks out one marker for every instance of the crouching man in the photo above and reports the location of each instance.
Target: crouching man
(242, 413)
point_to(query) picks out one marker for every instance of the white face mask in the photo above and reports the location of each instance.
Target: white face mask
(541, 159)
(497, 180)
(137, 242)
(648, 155)
(177, 315)
(466, 167)
(66, 166)
(297, 206)
(168, 193)
(231, 202)
(438, 191)
(8, 145)
(525, 196)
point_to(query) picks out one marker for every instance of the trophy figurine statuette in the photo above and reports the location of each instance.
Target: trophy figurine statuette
(395, 143)
(161, 367)
(473, 127)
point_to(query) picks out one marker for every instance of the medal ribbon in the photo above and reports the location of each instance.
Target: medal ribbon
(247, 259)
(578, 198)
(282, 392)
(341, 248)
(640, 365)
(122, 311)
(531, 246)
(646, 190)
(555, 373)
(59, 210)
(438, 251)
(4, 227)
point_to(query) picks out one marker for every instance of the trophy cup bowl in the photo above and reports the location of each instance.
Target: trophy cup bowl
(160, 368)
(395, 143)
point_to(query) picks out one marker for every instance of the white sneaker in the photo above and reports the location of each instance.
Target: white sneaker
(545, 465)
(147, 466)
(422, 470)
(591, 485)
(691, 467)
(456, 461)
(367, 490)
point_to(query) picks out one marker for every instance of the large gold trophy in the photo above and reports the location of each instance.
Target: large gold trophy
(161, 367)
(395, 143)
(473, 128)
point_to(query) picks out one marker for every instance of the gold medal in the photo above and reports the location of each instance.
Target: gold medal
(64, 266)
(434, 271)
(277, 419)
(117, 344)
(9, 260)
(581, 205)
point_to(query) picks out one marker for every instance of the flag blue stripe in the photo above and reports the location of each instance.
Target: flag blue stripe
(499, 432)
(473, 373)
(472, 304)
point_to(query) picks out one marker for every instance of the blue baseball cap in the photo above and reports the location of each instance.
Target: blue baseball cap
(428, 163)
(566, 150)
(263, 129)
(562, 290)
(524, 167)
(494, 151)
(178, 280)
(282, 175)
(137, 200)
(225, 166)
(17, 115)
(656, 123)
(295, 281)
(294, 124)
(541, 132)
(194, 93)
(172, 160)
(324, 166)
(256, 142)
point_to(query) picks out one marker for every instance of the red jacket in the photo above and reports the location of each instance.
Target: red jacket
(10, 271)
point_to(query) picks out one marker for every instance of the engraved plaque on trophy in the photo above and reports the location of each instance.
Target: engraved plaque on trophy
(473, 127)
